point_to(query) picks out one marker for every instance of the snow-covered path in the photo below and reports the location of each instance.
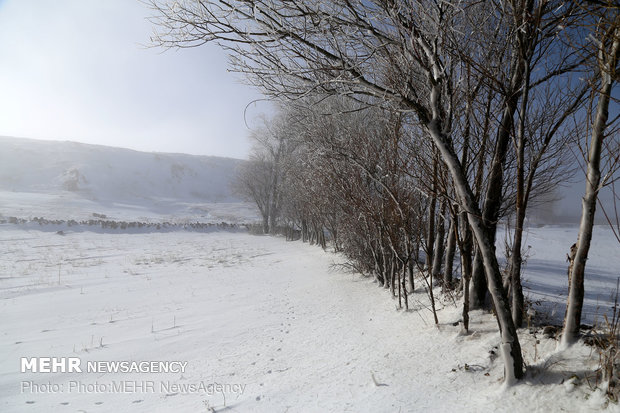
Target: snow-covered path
(269, 321)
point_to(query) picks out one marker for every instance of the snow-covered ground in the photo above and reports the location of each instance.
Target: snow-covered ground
(66, 206)
(264, 325)
(545, 275)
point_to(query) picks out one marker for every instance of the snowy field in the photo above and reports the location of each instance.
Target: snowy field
(265, 325)
(545, 276)
(66, 205)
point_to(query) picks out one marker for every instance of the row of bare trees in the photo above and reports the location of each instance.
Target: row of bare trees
(417, 125)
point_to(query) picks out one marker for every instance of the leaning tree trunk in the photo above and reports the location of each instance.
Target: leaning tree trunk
(572, 320)
(510, 347)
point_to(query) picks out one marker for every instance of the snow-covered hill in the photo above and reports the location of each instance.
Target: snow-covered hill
(74, 180)
(112, 174)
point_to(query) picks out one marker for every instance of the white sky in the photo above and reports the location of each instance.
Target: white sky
(76, 70)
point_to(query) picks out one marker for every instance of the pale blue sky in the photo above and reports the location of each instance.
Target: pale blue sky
(76, 70)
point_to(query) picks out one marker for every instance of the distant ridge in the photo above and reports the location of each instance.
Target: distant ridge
(70, 180)
(106, 173)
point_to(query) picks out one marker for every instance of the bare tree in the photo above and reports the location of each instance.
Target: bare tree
(254, 181)
(531, 33)
(606, 37)
(260, 179)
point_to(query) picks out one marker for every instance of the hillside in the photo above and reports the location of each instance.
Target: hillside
(74, 180)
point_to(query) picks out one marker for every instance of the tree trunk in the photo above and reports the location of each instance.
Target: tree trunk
(515, 271)
(265, 224)
(511, 349)
(430, 239)
(404, 286)
(450, 250)
(272, 219)
(386, 264)
(516, 259)
(304, 230)
(478, 286)
(572, 320)
(439, 243)
(494, 195)
(465, 247)
(397, 280)
(466, 304)
(274, 193)
(393, 275)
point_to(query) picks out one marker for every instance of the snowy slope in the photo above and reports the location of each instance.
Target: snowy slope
(68, 180)
(112, 174)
